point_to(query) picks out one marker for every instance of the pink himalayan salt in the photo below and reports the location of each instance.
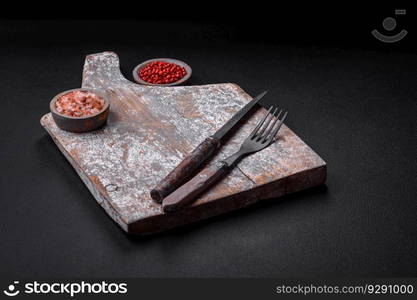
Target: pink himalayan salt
(79, 104)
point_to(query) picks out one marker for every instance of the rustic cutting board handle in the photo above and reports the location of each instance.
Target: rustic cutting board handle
(193, 188)
(186, 169)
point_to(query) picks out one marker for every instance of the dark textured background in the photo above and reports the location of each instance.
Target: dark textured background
(350, 97)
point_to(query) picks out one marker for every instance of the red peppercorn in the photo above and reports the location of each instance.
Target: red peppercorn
(158, 72)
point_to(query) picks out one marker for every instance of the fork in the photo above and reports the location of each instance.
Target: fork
(263, 135)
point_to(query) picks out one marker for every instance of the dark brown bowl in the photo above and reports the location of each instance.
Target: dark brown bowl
(81, 124)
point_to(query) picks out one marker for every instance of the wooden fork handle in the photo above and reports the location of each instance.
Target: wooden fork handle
(186, 169)
(189, 192)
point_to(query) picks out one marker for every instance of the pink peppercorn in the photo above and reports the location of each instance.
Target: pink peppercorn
(160, 72)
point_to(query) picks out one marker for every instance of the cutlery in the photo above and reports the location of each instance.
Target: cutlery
(261, 137)
(190, 164)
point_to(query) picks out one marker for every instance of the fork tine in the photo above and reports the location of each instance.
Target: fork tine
(274, 133)
(255, 130)
(265, 136)
(265, 125)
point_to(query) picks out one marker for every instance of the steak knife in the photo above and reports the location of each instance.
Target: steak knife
(191, 163)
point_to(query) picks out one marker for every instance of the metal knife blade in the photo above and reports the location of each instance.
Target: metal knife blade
(192, 161)
(239, 115)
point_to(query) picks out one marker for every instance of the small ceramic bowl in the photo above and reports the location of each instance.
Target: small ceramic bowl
(183, 80)
(80, 124)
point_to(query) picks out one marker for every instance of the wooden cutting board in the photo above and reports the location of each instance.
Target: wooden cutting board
(151, 129)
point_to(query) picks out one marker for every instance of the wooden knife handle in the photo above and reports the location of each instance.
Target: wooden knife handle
(185, 170)
(188, 192)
